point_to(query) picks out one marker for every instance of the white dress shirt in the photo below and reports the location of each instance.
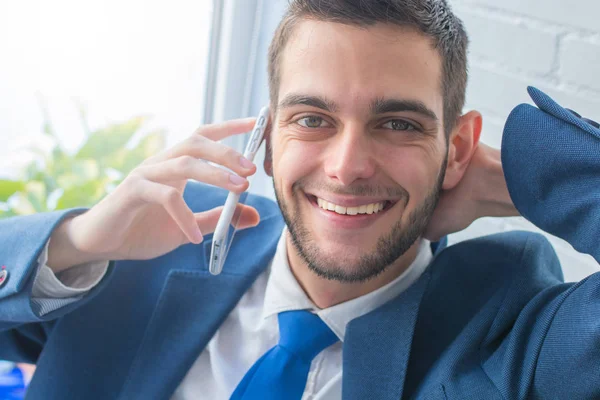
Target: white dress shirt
(252, 329)
(51, 292)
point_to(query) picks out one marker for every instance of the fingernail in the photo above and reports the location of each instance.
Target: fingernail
(237, 180)
(244, 162)
(198, 236)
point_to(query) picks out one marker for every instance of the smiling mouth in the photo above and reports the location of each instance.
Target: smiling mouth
(365, 209)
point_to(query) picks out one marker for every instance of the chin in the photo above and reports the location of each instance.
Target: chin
(338, 261)
(342, 254)
(345, 245)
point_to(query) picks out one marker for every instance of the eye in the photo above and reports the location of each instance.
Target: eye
(313, 122)
(399, 125)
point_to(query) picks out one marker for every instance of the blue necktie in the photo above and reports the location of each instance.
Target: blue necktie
(281, 373)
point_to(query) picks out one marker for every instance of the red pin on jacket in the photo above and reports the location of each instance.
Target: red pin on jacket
(3, 275)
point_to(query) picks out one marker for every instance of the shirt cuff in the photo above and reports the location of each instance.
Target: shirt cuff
(73, 282)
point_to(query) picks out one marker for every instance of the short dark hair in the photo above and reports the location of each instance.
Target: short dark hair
(433, 18)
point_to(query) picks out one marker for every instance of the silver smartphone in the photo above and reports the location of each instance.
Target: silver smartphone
(226, 227)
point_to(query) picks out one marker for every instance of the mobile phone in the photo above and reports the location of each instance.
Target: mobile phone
(227, 224)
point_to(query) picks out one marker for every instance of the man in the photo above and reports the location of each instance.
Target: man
(369, 155)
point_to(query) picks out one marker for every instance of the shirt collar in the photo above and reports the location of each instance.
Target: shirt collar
(283, 292)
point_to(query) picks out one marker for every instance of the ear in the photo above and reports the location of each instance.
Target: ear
(268, 163)
(463, 143)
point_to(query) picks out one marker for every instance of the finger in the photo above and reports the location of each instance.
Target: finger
(173, 203)
(205, 149)
(203, 143)
(221, 131)
(187, 167)
(207, 220)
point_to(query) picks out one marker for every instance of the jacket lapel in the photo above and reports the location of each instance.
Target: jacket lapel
(377, 347)
(191, 307)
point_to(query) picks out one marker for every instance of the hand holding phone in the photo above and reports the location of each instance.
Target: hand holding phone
(226, 226)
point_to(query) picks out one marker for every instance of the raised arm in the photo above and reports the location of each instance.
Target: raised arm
(145, 217)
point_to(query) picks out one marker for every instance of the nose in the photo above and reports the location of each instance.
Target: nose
(350, 157)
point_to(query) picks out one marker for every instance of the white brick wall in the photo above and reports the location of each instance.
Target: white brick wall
(578, 14)
(579, 56)
(553, 45)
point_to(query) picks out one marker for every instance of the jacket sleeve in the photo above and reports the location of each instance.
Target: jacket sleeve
(23, 328)
(551, 161)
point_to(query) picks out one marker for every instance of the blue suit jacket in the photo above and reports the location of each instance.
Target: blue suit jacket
(489, 319)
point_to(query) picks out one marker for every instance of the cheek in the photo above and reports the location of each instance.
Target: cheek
(293, 160)
(415, 168)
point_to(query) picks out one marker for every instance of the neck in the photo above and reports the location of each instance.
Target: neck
(326, 293)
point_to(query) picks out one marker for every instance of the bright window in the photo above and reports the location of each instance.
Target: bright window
(84, 65)
(114, 59)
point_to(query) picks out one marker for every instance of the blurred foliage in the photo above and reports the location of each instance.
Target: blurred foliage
(58, 180)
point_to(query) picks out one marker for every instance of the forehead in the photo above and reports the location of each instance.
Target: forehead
(352, 65)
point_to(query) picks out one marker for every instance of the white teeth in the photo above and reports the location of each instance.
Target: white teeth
(372, 208)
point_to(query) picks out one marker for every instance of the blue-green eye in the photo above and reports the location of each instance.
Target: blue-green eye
(399, 125)
(313, 122)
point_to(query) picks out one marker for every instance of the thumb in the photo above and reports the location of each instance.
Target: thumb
(245, 216)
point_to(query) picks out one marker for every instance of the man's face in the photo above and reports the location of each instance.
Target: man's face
(358, 144)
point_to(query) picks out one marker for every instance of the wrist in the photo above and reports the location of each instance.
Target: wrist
(63, 251)
(493, 198)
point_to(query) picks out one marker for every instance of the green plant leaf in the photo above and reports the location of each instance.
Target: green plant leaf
(59, 180)
(9, 187)
(125, 159)
(60, 163)
(85, 195)
(22, 205)
(83, 116)
(86, 169)
(147, 147)
(37, 195)
(31, 170)
(152, 143)
(47, 127)
(117, 159)
(6, 214)
(80, 173)
(102, 143)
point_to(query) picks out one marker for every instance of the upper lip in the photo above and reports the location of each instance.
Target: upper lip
(351, 201)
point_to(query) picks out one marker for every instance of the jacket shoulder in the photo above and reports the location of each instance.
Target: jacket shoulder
(502, 258)
(505, 270)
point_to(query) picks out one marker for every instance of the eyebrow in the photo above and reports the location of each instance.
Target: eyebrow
(378, 106)
(382, 106)
(313, 101)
